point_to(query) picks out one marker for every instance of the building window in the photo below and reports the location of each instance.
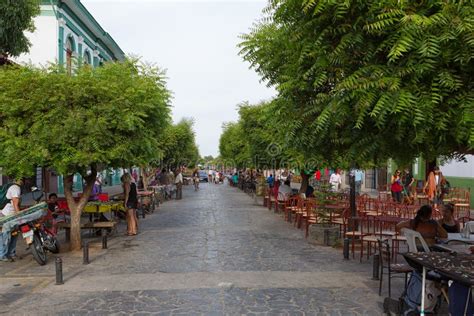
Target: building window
(69, 52)
(370, 178)
(87, 58)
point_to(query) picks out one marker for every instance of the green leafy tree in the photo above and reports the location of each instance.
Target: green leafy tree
(16, 17)
(233, 146)
(362, 81)
(112, 116)
(179, 145)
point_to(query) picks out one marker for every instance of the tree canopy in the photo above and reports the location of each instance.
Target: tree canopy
(362, 81)
(16, 17)
(110, 116)
(179, 145)
(233, 146)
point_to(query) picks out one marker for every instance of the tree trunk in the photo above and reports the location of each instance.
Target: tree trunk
(77, 207)
(304, 182)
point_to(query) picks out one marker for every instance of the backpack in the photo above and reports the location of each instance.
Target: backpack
(3, 195)
(411, 299)
(447, 186)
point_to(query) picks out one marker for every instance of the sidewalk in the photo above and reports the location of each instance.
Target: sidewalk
(214, 252)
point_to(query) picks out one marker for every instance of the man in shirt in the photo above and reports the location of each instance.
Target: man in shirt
(8, 242)
(270, 181)
(359, 176)
(178, 181)
(209, 176)
(408, 182)
(335, 181)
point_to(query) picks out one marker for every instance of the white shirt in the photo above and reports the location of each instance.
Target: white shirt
(335, 178)
(13, 192)
(285, 190)
(179, 178)
(210, 172)
(437, 179)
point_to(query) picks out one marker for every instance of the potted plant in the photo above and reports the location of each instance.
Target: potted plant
(324, 232)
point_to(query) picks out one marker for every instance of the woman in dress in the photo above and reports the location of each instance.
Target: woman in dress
(131, 203)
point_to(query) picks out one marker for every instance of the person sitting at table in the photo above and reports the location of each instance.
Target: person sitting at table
(448, 222)
(429, 229)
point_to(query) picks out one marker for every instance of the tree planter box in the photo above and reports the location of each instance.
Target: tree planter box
(324, 235)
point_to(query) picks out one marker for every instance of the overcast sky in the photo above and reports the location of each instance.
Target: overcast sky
(196, 41)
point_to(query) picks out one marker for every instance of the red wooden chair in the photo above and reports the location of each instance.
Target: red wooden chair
(311, 216)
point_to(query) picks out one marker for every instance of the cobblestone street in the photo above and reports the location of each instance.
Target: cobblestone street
(214, 252)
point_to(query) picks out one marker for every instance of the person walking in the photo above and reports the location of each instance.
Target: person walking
(169, 187)
(408, 182)
(396, 187)
(196, 179)
(434, 186)
(178, 181)
(131, 203)
(270, 181)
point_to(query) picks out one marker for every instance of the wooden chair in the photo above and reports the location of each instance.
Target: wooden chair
(370, 238)
(290, 204)
(300, 212)
(353, 230)
(463, 211)
(391, 268)
(271, 198)
(311, 216)
(266, 198)
(280, 202)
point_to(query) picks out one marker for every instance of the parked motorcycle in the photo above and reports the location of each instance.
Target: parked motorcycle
(39, 239)
(37, 235)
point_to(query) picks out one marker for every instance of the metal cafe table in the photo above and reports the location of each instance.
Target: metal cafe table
(454, 266)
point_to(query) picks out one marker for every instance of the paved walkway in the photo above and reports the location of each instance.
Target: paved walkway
(212, 253)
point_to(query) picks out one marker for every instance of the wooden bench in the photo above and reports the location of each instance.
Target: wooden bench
(89, 225)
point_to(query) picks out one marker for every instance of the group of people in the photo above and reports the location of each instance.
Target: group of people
(173, 181)
(214, 176)
(434, 232)
(436, 186)
(334, 177)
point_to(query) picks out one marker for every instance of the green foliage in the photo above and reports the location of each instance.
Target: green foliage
(233, 147)
(179, 145)
(362, 81)
(111, 116)
(16, 17)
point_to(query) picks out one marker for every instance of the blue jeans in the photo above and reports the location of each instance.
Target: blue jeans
(7, 245)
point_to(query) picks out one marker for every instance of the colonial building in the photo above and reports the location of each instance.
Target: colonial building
(67, 33)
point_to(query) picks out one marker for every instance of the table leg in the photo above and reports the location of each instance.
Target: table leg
(468, 299)
(423, 284)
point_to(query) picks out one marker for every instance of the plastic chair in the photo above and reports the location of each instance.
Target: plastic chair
(468, 227)
(411, 236)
